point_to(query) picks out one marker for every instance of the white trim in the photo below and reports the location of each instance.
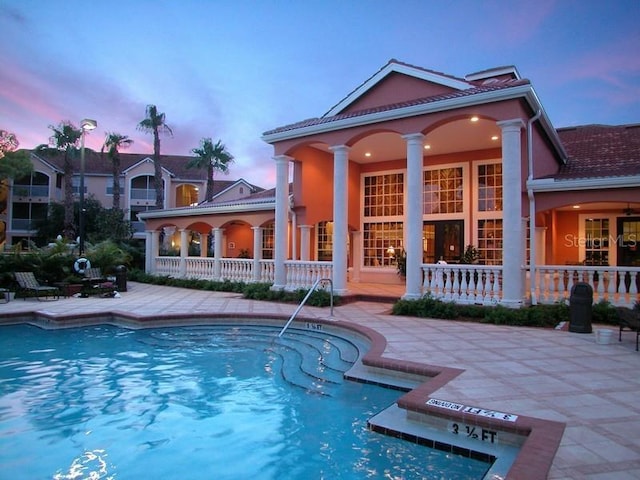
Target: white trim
(197, 211)
(553, 185)
(393, 67)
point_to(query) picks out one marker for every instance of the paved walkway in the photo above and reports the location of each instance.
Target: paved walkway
(549, 374)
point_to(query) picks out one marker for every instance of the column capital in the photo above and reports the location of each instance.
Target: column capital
(414, 137)
(283, 158)
(339, 148)
(513, 124)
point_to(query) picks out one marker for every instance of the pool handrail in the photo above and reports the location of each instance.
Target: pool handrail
(304, 300)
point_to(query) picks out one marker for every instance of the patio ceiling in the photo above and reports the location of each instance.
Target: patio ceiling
(456, 136)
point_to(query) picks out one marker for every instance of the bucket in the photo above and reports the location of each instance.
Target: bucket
(603, 336)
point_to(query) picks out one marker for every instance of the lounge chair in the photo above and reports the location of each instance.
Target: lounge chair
(629, 320)
(28, 284)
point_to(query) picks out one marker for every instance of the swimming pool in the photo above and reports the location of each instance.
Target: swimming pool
(197, 402)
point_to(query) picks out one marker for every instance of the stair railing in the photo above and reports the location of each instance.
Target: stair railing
(304, 300)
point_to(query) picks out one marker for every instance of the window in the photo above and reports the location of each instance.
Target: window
(268, 235)
(490, 187)
(490, 241)
(443, 190)
(384, 195)
(110, 187)
(142, 188)
(596, 247)
(34, 185)
(377, 238)
(325, 241)
(76, 185)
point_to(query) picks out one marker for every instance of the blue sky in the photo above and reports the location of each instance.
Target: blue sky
(232, 70)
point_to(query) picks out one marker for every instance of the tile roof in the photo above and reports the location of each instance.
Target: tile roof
(98, 164)
(480, 87)
(600, 151)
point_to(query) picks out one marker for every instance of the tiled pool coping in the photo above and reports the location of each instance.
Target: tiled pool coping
(542, 437)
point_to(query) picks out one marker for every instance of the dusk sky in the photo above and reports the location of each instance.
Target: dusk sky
(231, 70)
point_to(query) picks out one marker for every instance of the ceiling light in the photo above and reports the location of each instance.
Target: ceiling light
(427, 147)
(576, 207)
(495, 137)
(367, 154)
(475, 118)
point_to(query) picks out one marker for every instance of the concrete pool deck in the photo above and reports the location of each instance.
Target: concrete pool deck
(548, 374)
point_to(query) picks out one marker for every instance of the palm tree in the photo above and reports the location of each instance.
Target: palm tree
(113, 142)
(155, 123)
(65, 139)
(213, 158)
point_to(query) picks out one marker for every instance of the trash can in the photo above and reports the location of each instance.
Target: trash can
(580, 308)
(121, 278)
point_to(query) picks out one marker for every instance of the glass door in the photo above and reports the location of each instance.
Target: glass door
(443, 240)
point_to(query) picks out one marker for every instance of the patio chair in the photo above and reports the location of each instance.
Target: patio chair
(629, 320)
(95, 283)
(94, 275)
(28, 284)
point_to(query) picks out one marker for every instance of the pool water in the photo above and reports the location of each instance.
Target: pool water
(208, 402)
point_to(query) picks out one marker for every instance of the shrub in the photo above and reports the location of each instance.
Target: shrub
(547, 316)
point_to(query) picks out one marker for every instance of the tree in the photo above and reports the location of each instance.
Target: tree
(102, 223)
(113, 143)
(65, 139)
(215, 158)
(155, 123)
(14, 163)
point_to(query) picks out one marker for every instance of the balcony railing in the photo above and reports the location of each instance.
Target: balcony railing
(143, 194)
(30, 191)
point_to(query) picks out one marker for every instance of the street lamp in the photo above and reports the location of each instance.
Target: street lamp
(85, 125)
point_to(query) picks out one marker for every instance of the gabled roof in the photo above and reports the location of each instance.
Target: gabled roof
(394, 66)
(221, 186)
(600, 151)
(100, 164)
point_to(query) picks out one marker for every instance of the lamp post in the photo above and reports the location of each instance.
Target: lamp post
(85, 125)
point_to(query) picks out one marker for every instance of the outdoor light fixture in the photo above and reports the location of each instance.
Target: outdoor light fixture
(391, 251)
(475, 118)
(85, 125)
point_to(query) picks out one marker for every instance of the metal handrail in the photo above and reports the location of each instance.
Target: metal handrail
(304, 300)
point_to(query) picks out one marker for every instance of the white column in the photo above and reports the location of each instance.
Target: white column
(305, 242)
(356, 239)
(257, 253)
(281, 222)
(155, 250)
(340, 226)
(413, 217)
(217, 253)
(149, 253)
(204, 247)
(513, 241)
(184, 251)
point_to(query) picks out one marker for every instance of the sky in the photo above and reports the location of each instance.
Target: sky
(234, 69)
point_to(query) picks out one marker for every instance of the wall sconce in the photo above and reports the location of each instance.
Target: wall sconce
(391, 251)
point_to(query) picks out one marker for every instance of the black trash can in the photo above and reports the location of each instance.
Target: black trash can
(580, 308)
(121, 278)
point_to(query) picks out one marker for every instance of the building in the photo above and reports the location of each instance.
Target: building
(424, 163)
(27, 199)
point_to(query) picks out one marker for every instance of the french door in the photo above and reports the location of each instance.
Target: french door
(443, 240)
